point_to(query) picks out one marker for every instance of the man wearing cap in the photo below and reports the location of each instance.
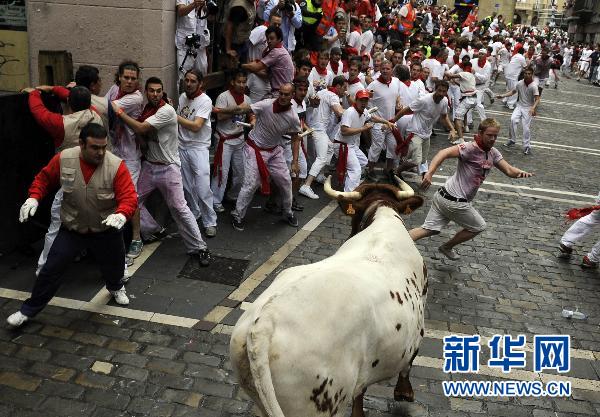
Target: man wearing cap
(355, 120)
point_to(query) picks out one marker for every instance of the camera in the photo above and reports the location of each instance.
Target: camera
(211, 7)
(289, 6)
(193, 41)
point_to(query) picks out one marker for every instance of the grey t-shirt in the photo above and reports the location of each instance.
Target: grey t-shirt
(474, 164)
(527, 93)
(163, 143)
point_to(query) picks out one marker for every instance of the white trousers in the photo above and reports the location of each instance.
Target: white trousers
(521, 115)
(454, 93)
(478, 106)
(233, 157)
(195, 172)
(579, 230)
(512, 100)
(354, 164)
(200, 62)
(380, 140)
(320, 144)
(289, 156)
(278, 171)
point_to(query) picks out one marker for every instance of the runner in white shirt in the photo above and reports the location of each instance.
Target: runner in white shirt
(436, 70)
(503, 58)
(367, 40)
(386, 97)
(528, 100)
(468, 96)
(426, 111)
(195, 132)
(258, 39)
(354, 82)
(329, 109)
(230, 148)
(584, 62)
(482, 70)
(567, 58)
(335, 65)
(511, 74)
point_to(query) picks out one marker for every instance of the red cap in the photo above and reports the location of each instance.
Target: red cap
(363, 94)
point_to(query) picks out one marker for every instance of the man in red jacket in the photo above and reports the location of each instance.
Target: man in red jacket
(99, 198)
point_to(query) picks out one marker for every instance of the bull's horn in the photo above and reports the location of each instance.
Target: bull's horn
(407, 190)
(350, 195)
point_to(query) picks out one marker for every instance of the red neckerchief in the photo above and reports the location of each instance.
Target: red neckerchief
(456, 59)
(530, 56)
(354, 81)
(479, 142)
(407, 83)
(196, 94)
(380, 79)
(356, 108)
(239, 98)
(334, 66)
(278, 108)
(527, 83)
(357, 29)
(333, 90)
(414, 78)
(441, 61)
(120, 94)
(150, 110)
(321, 70)
(481, 62)
(266, 51)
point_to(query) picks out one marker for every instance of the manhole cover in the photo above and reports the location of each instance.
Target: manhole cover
(226, 271)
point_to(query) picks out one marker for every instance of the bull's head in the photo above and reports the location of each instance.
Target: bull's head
(363, 202)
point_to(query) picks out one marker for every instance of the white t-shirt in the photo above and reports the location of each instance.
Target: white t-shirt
(410, 92)
(516, 65)
(123, 138)
(163, 143)
(270, 126)
(482, 75)
(322, 115)
(425, 113)
(258, 42)
(435, 70)
(352, 119)
(366, 42)
(354, 40)
(527, 93)
(384, 97)
(466, 83)
(354, 88)
(257, 87)
(186, 24)
(228, 127)
(503, 56)
(318, 82)
(200, 106)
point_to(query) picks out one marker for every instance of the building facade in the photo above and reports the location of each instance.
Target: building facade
(583, 18)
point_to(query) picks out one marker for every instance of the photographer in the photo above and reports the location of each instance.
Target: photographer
(291, 19)
(192, 35)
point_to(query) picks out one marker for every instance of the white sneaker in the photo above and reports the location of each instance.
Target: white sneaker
(17, 319)
(120, 296)
(458, 141)
(306, 191)
(320, 179)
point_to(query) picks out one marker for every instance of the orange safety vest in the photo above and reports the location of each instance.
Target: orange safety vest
(409, 20)
(329, 7)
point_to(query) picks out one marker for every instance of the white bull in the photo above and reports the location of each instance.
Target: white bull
(322, 333)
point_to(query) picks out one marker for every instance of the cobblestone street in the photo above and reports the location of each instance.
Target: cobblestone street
(81, 357)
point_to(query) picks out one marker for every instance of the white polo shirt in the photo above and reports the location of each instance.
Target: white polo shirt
(351, 118)
(384, 97)
(322, 115)
(425, 113)
(527, 93)
(200, 106)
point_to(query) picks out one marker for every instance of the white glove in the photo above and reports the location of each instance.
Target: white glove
(28, 209)
(116, 220)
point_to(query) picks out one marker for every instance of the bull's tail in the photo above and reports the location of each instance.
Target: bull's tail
(259, 343)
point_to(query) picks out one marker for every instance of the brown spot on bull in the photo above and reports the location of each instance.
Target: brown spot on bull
(424, 271)
(392, 294)
(425, 287)
(399, 298)
(256, 321)
(422, 332)
(398, 326)
(323, 401)
(374, 364)
(403, 354)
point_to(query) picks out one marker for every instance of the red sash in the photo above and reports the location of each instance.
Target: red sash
(218, 160)
(401, 143)
(265, 187)
(578, 213)
(342, 162)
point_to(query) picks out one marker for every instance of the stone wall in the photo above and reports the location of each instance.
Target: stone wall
(103, 33)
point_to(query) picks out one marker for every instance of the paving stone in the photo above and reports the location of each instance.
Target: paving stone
(57, 332)
(166, 366)
(160, 351)
(72, 361)
(131, 372)
(172, 381)
(115, 332)
(7, 348)
(150, 407)
(50, 371)
(107, 398)
(63, 346)
(579, 407)
(19, 381)
(132, 359)
(151, 338)
(9, 363)
(89, 338)
(61, 389)
(213, 388)
(109, 412)
(468, 406)
(191, 399)
(102, 367)
(98, 353)
(30, 340)
(64, 407)
(193, 357)
(507, 410)
(89, 379)
(124, 346)
(20, 399)
(207, 372)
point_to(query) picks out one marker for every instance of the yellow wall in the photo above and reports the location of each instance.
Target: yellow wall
(14, 60)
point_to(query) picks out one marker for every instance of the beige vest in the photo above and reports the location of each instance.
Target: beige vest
(85, 206)
(73, 124)
(101, 105)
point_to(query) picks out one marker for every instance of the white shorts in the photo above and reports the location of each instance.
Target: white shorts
(584, 65)
(464, 105)
(462, 213)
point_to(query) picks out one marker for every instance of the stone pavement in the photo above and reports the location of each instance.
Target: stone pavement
(73, 362)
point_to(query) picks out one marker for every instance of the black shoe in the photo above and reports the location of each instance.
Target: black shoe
(161, 234)
(273, 208)
(237, 225)
(292, 220)
(297, 206)
(202, 257)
